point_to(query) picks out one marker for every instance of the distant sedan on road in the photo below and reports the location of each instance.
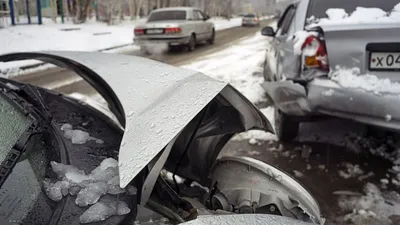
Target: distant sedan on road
(175, 26)
(250, 19)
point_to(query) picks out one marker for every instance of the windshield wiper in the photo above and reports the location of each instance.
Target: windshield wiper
(28, 100)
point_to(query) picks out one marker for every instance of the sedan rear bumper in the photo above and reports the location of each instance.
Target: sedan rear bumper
(323, 96)
(144, 41)
(326, 97)
(250, 23)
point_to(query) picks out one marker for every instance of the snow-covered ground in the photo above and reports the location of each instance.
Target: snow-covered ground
(90, 36)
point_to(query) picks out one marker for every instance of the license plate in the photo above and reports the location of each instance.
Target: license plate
(384, 61)
(155, 31)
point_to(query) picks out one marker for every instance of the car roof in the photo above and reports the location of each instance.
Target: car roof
(174, 8)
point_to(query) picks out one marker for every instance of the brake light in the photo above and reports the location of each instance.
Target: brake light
(315, 54)
(255, 19)
(172, 30)
(139, 31)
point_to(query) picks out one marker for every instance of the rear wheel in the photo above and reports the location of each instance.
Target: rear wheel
(286, 127)
(211, 41)
(191, 46)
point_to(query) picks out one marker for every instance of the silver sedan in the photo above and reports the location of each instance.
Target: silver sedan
(175, 26)
(318, 66)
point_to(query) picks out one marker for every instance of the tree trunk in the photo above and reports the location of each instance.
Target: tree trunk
(138, 8)
(82, 9)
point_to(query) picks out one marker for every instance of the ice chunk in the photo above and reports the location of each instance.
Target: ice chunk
(103, 210)
(97, 212)
(122, 208)
(298, 173)
(74, 190)
(61, 169)
(105, 175)
(77, 178)
(131, 190)
(91, 194)
(113, 186)
(53, 190)
(78, 136)
(66, 127)
(106, 163)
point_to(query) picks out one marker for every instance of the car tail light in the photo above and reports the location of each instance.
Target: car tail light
(315, 54)
(139, 31)
(172, 30)
(255, 19)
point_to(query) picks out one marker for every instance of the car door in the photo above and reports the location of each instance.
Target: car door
(201, 26)
(208, 26)
(280, 45)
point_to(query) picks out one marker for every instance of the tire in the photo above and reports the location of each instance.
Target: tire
(211, 41)
(191, 46)
(286, 127)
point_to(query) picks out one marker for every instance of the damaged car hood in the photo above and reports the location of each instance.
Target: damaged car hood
(151, 100)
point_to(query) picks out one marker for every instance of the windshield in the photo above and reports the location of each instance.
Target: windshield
(13, 123)
(250, 15)
(317, 8)
(168, 15)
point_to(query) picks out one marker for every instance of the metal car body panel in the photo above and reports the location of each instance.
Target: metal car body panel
(154, 102)
(324, 96)
(249, 219)
(201, 28)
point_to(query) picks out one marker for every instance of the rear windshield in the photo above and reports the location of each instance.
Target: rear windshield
(318, 8)
(167, 15)
(249, 15)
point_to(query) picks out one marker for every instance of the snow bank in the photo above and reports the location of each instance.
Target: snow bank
(351, 78)
(89, 189)
(360, 15)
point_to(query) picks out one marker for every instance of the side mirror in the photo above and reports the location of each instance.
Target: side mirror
(206, 17)
(268, 31)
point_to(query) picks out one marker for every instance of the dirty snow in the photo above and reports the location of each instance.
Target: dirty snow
(78, 136)
(351, 171)
(352, 78)
(372, 207)
(361, 15)
(89, 189)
